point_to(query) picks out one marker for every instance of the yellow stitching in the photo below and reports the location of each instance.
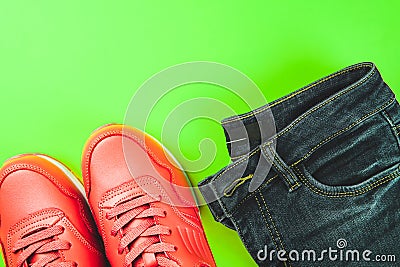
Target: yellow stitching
(224, 209)
(284, 167)
(368, 188)
(236, 163)
(291, 95)
(237, 157)
(341, 131)
(312, 110)
(273, 224)
(266, 223)
(297, 121)
(393, 126)
(294, 186)
(253, 193)
(230, 167)
(297, 92)
(396, 129)
(279, 170)
(235, 184)
(353, 193)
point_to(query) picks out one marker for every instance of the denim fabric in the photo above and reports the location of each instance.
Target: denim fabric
(334, 180)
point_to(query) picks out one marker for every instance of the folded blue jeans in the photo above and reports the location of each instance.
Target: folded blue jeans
(328, 160)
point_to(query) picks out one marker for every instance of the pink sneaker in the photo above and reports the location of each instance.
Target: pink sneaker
(45, 218)
(141, 227)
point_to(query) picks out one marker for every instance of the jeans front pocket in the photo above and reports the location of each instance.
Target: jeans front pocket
(354, 161)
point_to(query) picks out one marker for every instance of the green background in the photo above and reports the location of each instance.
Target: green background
(67, 67)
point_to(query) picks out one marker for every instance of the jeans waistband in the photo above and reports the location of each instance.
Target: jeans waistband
(296, 125)
(332, 103)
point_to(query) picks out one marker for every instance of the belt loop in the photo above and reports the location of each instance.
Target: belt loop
(290, 178)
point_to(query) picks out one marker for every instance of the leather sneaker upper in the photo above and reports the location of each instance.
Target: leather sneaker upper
(45, 219)
(142, 202)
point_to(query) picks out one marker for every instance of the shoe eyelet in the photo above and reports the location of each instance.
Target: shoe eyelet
(165, 213)
(169, 231)
(175, 248)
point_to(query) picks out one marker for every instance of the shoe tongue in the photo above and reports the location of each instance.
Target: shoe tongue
(128, 191)
(149, 259)
(142, 185)
(146, 259)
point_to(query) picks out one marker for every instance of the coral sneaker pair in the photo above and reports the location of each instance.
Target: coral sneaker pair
(140, 200)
